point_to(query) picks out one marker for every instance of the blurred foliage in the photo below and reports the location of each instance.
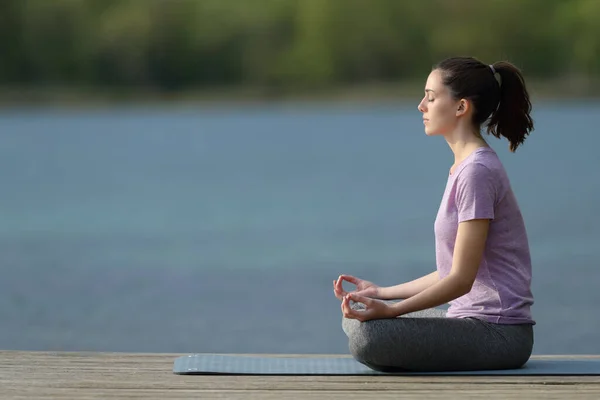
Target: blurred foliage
(173, 44)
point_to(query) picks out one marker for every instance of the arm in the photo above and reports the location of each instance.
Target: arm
(408, 289)
(476, 192)
(468, 252)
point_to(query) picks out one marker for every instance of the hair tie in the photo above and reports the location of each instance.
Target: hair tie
(493, 70)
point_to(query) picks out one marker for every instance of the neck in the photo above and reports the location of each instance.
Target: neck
(463, 142)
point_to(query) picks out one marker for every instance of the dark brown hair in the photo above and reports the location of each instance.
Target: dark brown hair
(504, 104)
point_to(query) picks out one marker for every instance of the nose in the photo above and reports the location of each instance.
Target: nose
(421, 107)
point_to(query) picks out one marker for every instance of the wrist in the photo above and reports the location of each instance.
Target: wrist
(393, 310)
(381, 293)
(396, 309)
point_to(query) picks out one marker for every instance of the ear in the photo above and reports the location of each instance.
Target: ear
(464, 106)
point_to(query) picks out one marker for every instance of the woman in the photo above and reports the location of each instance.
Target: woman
(482, 252)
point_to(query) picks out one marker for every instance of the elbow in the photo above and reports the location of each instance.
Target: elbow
(463, 285)
(465, 288)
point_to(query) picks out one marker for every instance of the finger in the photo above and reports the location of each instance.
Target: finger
(339, 287)
(335, 286)
(344, 307)
(367, 301)
(357, 314)
(350, 279)
(348, 311)
(335, 291)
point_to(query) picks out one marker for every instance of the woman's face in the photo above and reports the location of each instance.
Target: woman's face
(438, 107)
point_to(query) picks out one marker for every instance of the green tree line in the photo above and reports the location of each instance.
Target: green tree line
(175, 44)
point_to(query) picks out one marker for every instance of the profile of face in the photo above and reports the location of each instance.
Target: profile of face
(441, 112)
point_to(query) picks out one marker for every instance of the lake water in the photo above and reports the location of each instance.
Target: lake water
(221, 229)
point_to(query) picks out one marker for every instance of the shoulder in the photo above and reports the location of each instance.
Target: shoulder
(478, 180)
(475, 173)
(484, 166)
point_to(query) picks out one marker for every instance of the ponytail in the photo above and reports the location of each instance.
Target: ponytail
(504, 105)
(511, 118)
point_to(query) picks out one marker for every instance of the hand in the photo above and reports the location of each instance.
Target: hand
(375, 309)
(363, 288)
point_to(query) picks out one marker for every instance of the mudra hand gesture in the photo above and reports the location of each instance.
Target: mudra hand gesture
(366, 293)
(363, 288)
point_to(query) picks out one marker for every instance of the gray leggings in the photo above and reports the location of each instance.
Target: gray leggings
(428, 341)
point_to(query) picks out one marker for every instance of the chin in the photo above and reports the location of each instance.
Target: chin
(430, 131)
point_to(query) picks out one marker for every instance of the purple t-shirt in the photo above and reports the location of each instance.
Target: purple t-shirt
(479, 188)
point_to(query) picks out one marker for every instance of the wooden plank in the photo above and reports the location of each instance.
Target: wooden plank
(87, 375)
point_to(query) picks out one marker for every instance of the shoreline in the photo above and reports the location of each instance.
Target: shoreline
(90, 97)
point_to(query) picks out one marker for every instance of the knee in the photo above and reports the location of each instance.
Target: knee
(368, 351)
(359, 348)
(525, 349)
(362, 344)
(518, 349)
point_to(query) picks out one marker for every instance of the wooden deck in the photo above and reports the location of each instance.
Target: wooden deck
(64, 375)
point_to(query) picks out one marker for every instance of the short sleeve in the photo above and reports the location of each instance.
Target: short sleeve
(475, 193)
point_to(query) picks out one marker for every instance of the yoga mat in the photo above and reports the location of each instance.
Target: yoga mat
(218, 364)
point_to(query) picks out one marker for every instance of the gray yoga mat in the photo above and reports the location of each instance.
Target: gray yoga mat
(219, 364)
